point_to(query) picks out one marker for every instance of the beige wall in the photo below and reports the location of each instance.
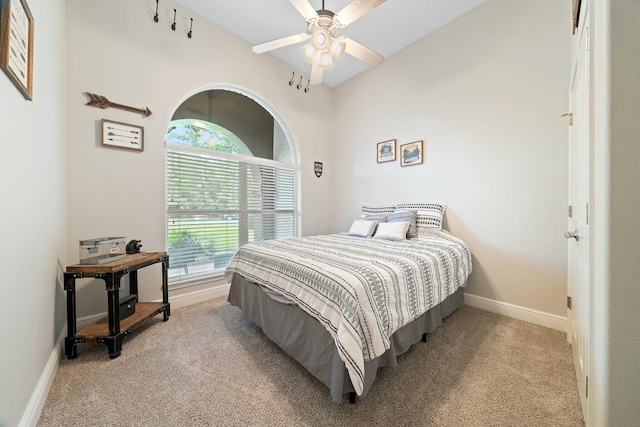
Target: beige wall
(485, 93)
(614, 377)
(32, 217)
(130, 59)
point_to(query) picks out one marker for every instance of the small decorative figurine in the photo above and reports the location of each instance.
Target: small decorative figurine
(133, 247)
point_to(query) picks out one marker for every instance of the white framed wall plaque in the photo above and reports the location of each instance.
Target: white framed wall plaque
(122, 135)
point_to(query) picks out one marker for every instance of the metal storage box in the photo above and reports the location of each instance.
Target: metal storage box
(102, 249)
(127, 306)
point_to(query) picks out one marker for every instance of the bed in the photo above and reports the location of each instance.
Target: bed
(344, 305)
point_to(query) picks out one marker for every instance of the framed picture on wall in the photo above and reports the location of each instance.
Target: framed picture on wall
(122, 135)
(411, 153)
(16, 44)
(576, 14)
(386, 151)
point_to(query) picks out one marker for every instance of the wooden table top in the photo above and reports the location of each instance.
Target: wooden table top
(131, 261)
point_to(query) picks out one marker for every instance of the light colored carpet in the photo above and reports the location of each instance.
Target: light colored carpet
(208, 366)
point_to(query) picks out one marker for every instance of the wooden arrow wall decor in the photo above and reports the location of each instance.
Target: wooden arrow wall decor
(100, 101)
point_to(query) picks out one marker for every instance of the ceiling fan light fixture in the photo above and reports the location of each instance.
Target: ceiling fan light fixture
(326, 60)
(308, 52)
(320, 38)
(337, 47)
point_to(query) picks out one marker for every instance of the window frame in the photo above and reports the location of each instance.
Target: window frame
(218, 275)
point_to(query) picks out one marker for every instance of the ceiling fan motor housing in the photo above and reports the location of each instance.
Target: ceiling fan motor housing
(324, 20)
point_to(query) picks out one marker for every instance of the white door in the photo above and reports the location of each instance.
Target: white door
(578, 224)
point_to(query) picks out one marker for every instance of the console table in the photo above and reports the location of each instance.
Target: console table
(111, 330)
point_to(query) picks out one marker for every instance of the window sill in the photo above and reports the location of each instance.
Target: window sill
(204, 279)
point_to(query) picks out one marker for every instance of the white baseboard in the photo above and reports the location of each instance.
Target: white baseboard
(33, 410)
(81, 322)
(517, 312)
(39, 397)
(176, 302)
(199, 296)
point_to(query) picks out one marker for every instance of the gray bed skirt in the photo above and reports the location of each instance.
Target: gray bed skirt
(308, 342)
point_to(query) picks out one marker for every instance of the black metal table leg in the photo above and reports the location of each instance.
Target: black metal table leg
(114, 340)
(70, 341)
(165, 288)
(114, 344)
(133, 284)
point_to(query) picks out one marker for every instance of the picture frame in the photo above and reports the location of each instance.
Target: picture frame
(412, 153)
(386, 151)
(576, 4)
(16, 44)
(122, 135)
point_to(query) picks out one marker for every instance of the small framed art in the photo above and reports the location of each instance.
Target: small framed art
(122, 135)
(386, 151)
(16, 44)
(411, 153)
(576, 14)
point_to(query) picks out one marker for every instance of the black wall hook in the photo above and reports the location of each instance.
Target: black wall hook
(155, 18)
(173, 26)
(299, 85)
(190, 33)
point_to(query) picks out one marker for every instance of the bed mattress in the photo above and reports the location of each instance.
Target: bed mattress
(361, 291)
(304, 339)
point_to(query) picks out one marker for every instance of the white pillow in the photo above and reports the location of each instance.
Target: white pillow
(392, 230)
(362, 228)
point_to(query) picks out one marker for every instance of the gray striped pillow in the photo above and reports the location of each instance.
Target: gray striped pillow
(429, 215)
(406, 215)
(375, 217)
(371, 209)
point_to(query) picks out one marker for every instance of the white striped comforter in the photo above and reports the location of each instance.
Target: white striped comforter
(362, 290)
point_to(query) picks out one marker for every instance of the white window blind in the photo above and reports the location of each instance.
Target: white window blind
(217, 202)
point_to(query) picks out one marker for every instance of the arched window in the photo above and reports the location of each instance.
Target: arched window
(232, 178)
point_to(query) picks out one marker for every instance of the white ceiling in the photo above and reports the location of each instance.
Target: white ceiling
(387, 29)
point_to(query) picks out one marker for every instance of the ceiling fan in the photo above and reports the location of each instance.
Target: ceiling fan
(327, 45)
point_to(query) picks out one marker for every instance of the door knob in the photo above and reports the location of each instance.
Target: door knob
(572, 234)
(570, 115)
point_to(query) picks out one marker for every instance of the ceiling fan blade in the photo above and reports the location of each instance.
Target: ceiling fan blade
(355, 10)
(305, 9)
(316, 71)
(362, 53)
(278, 43)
